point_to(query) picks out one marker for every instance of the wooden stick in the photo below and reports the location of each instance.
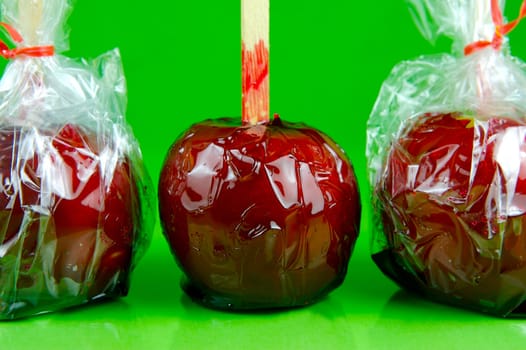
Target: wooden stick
(30, 18)
(255, 61)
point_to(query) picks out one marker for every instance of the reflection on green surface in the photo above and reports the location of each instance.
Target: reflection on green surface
(367, 312)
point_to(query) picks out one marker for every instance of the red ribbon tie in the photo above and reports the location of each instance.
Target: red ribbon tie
(32, 51)
(501, 29)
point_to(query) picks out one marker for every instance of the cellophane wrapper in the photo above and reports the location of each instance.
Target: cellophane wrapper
(446, 157)
(76, 204)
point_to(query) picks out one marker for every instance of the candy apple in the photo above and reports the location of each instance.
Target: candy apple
(259, 216)
(68, 220)
(453, 202)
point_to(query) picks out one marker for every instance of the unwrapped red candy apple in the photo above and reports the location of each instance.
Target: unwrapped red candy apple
(68, 220)
(259, 216)
(453, 200)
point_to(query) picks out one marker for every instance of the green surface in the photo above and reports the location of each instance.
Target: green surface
(182, 62)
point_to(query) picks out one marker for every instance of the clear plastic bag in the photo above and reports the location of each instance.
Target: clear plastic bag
(447, 163)
(75, 200)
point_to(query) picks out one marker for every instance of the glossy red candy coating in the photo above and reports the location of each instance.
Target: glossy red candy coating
(259, 216)
(66, 231)
(453, 202)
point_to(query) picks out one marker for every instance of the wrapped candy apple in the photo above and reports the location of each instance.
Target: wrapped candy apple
(258, 213)
(75, 201)
(447, 160)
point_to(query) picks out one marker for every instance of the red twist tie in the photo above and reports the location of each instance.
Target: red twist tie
(501, 29)
(33, 51)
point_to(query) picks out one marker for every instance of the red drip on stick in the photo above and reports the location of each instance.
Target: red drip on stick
(255, 61)
(33, 51)
(501, 29)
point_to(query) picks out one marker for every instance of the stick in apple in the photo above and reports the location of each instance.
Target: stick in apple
(30, 18)
(255, 61)
(30, 13)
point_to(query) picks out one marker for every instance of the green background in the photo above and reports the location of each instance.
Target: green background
(328, 60)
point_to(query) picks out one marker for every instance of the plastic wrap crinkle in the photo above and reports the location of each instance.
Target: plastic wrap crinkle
(447, 163)
(75, 200)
